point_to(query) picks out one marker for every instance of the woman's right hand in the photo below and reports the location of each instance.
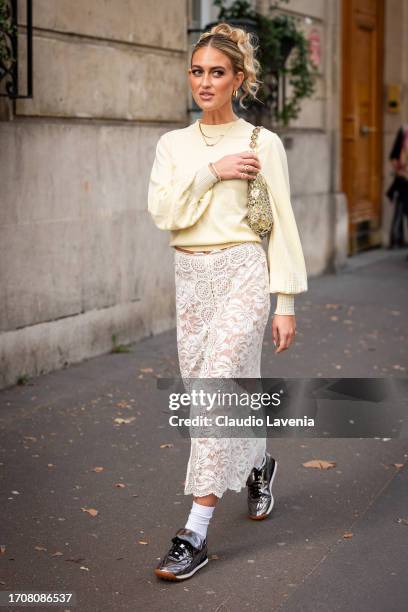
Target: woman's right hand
(233, 166)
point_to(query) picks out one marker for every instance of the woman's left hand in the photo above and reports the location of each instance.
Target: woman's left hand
(283, 331)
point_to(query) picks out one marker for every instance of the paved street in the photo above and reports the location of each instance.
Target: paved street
(59, 430)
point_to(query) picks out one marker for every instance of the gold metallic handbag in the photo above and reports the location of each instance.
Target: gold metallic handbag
(259, 216)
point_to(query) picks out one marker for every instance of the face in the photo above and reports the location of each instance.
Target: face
(212, 79)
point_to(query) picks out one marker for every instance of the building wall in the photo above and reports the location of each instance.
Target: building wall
(312, 143)
(80, 261)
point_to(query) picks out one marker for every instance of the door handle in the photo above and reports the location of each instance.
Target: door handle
(366, 129)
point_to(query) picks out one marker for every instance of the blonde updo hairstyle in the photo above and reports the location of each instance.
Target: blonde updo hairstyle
(240, 47)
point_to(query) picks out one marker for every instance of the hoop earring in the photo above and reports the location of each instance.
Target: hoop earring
(235, 93)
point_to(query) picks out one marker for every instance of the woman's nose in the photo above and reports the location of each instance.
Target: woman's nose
(206, 80)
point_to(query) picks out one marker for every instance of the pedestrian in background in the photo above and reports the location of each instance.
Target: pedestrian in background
(398, 190)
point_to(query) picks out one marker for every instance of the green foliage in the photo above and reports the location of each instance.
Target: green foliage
(240, 9)
(23, 379)
(277, 36)
(119, 348)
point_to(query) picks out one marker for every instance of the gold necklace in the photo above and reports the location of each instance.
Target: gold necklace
(221, 136)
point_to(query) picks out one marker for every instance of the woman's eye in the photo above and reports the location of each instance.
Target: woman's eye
(197, 72)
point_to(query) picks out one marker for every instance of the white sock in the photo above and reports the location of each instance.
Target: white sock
(262, 464)
(199, 518)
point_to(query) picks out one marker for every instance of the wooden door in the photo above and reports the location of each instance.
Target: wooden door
(362, 78)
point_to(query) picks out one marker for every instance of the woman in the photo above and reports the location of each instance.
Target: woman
(198, 191)
(398, 190)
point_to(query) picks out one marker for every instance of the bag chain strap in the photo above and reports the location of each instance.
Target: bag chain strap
(254, 136)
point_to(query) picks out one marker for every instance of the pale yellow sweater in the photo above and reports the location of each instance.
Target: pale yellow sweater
(202, 214)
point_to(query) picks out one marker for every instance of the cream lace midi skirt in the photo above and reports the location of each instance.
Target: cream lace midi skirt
(222, 308)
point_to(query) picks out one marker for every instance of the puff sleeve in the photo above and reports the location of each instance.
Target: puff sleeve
(175, 200)
(287, 269)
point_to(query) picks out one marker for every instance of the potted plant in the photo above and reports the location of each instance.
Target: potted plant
(278, 38)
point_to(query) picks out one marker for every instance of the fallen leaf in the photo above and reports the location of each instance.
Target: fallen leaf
(166, 445)
(347, 535)
(320, 464)
(97, 469)
(2, 549)
(84, 568)
(143, 542)
(57, 554)
(214, 557)
(121, 421)
(90, 511)
(39, 548)
(32, 438)
(398, 465)
(146, 370)
(403, 521)
(120, 485)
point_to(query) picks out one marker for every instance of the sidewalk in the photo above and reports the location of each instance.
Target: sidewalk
(57, 429)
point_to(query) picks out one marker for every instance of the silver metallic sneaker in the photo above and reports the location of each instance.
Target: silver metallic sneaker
(187, 554)
(259, 483)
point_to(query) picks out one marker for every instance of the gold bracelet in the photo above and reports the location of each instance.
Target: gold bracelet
(214, 170)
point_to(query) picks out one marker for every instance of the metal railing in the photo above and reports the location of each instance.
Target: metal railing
(10, 53)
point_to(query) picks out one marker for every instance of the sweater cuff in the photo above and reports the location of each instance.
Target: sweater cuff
(204, 180)
(285, 304)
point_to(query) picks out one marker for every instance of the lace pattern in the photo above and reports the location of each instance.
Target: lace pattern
(222, 307)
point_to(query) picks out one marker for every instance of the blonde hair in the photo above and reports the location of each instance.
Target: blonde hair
(240, 47)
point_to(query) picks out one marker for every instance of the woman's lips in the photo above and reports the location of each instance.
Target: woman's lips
(206, 96)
